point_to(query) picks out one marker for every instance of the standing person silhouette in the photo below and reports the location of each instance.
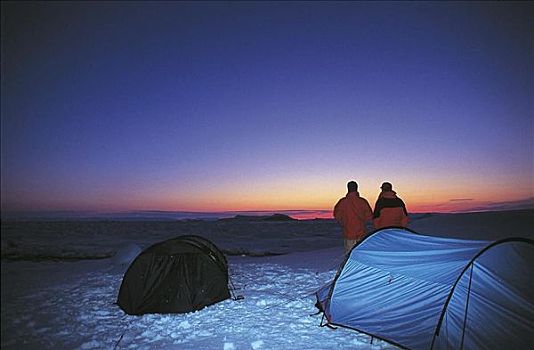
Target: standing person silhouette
(390, 210)
(352, 212)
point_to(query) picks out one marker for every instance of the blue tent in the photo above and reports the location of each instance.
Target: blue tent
(423, 292)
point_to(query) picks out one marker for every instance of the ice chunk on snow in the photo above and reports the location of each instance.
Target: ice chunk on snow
(184, 325)
(175, 335)
(258, 344)
(261, 303)
(229, 346)
(127, 254)
(93, 344)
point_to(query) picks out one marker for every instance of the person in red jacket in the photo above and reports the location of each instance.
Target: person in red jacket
(352, 212)
(390, 210)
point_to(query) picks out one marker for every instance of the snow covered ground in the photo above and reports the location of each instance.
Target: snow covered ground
(51, 302)
(70, 305)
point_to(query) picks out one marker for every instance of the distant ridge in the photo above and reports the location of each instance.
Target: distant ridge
(273, 217)
(162, 215)
(259, 215)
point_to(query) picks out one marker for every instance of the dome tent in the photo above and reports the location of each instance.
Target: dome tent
(423, 292)
(178, 275)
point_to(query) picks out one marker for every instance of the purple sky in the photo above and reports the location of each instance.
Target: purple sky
(264, 105)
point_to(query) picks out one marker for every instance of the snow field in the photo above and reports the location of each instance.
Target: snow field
(80, 313)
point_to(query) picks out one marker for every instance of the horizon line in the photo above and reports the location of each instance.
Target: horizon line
(444, 207)
(138, 214)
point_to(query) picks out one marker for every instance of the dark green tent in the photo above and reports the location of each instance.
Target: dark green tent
(178, 275)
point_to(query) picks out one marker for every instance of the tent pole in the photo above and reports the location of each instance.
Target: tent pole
(467, 305)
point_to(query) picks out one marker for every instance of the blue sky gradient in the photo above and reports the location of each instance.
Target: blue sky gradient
(264, 105)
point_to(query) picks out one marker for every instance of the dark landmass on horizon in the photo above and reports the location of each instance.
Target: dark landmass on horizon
(276, 215)
(257, 236)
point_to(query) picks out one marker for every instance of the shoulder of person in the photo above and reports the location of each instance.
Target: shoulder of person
(341, 200)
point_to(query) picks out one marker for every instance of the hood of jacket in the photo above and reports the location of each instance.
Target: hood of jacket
(388, 194)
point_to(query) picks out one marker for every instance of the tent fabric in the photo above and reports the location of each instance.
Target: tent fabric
(424, 292)
(178, 275)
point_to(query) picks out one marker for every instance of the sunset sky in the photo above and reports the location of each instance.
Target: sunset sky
(215, 106)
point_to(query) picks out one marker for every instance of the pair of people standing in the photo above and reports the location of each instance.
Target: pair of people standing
(353, 212)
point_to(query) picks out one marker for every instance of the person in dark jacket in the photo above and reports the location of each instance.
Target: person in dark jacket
(390, 210)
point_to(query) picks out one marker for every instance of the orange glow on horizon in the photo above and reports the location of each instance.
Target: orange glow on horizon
(319, 196)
